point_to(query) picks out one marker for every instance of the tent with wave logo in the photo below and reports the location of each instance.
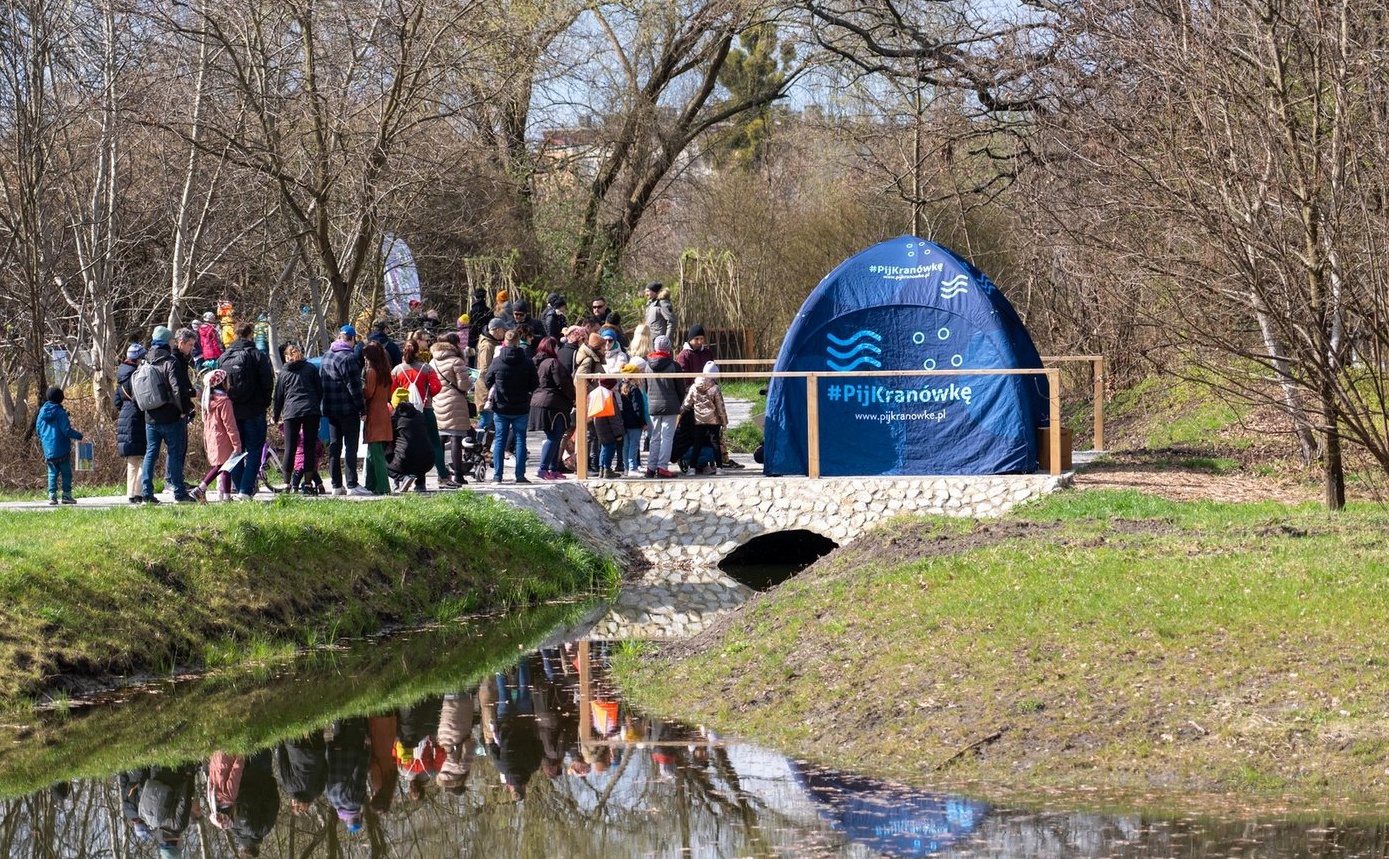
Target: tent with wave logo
(907, 304)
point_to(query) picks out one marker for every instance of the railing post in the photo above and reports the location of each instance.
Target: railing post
(585, 693)
(1054, 419)
(812, 425)
(1097, 371)
(581, 427)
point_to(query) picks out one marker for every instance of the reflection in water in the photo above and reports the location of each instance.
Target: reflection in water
(545, 759)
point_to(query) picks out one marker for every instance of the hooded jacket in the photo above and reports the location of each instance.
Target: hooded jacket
(513, 376)
(176, 374)
(298, 392)
(660, 315)
(665, 396)
(706, 400)
(220, 436)
(451, 405)
(341, 378)
(130, 424)
(55, 431)
(486, 352)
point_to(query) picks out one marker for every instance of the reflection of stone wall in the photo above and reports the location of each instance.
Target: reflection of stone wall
(698, 522)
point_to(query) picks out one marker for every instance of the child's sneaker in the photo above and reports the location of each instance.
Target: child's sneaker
(68, 499)
(52, 500)
(199, 493)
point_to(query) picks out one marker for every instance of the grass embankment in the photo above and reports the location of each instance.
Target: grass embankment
(1108, 646)
(100, 592)
(250, 707)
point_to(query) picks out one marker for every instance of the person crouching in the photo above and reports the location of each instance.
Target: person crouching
(411, 454)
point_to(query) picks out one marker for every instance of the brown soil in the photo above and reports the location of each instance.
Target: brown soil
(1160, 473)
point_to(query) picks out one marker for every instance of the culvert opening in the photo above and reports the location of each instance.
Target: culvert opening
(766, 561)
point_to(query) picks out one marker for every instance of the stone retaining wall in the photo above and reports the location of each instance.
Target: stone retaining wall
(697, 523)
(674, 533)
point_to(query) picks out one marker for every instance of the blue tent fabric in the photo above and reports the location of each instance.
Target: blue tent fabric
(907, 304)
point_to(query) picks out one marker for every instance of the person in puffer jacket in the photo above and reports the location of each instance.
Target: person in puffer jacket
(55, 431)
(705, 400)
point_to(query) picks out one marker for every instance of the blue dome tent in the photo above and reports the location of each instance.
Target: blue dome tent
(907, 304)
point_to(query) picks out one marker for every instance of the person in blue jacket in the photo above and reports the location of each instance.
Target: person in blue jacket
(56, 433)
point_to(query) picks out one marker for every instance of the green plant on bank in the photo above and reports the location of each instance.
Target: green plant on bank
(747, 389)
(1178, 412)
(100, 592)
(79, 489)
(1123, 648)
(744, 438)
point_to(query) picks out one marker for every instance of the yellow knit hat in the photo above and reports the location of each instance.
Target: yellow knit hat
(400, 395)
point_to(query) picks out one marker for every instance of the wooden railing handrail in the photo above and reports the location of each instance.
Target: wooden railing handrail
(812, 377)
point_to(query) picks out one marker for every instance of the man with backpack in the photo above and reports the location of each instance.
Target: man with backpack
(250, 385)
(163, 392)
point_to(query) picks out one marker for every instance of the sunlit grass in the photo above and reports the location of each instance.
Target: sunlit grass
(112, 591)
(1162, 644)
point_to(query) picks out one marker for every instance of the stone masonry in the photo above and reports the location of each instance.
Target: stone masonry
(675, 532)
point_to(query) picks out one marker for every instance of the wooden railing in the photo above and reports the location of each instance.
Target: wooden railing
(812, 397)
(1097, 381)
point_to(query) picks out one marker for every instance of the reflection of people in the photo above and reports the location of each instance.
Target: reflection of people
(348, 761)
(515, 746)
(166, 805)
(303, 770)
(455, 738)
(417, 752)
(130, 783)
(257, 806)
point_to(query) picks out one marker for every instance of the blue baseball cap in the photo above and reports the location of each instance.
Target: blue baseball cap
(348, 331)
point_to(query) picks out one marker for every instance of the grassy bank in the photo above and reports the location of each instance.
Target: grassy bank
(1103, 645)
(100, 592)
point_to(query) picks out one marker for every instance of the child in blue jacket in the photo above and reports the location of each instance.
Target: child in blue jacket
(56, 433)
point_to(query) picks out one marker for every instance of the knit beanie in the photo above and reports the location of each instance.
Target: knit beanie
(161, 334)
(134, 352)
(696, 330)
(662, 344)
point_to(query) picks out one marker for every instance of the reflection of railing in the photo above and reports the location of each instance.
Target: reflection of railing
(812, 404)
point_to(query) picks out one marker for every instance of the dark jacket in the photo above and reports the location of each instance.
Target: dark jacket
(177, 376)
(554, 397)
(632, 407)
(479, 314)
(341, 378)
(258, 803)
(514, 377)
(554, 323)
(392, 348)
(298, 392)
(348, 761)
(568, 354)
(303, 769)
(55, 431)
(665, 395)
(243, 359)
(130, 423)
(411, 450)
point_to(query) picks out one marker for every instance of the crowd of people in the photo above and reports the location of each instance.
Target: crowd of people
(527, 721)
(457, 402)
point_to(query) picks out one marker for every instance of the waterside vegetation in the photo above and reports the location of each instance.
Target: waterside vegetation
(1110, 647)
(103, 593)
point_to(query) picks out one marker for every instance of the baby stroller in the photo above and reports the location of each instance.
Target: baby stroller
(477, 453)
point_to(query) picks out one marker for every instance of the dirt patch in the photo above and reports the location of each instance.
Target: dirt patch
(1162, 473)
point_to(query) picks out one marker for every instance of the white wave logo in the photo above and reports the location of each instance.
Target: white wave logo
(855, 351)
(954, 287)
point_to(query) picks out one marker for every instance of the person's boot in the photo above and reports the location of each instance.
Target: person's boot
(295, 478)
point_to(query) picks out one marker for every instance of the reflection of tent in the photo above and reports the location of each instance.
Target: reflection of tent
(907, 304)
(897, 821)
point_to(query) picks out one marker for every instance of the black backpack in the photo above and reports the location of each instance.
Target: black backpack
(239, 365)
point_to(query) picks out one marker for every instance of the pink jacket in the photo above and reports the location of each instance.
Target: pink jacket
(210, 342)
(220, 438)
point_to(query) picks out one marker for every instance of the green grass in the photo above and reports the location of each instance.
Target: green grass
(79, 490)
(747, 389)
(114, 591)
(1122, 643)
